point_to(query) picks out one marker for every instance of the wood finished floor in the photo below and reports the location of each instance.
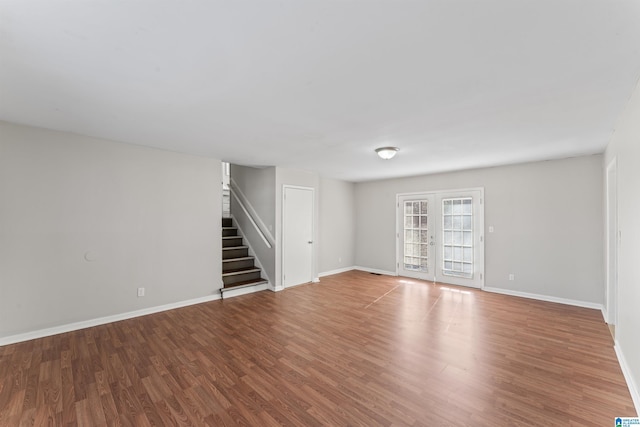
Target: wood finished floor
(354, 349)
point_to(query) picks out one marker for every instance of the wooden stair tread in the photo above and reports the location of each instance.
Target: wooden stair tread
(240, 271)
(238, 267)
(242, 258)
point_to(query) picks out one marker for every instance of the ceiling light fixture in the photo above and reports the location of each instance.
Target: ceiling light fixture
(387, 153)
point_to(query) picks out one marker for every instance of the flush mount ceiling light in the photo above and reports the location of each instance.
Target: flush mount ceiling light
(387, 153)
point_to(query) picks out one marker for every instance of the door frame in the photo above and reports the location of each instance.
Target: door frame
(438, 196)
(611, 265)
(284, 231)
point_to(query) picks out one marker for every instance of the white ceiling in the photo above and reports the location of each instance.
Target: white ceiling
(319, 84)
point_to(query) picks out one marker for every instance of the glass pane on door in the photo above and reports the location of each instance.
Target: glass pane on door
(416, 235)
(457, 245)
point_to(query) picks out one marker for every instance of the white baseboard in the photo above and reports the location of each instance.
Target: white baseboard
(375, 271)
(12, 339)
(337, 271)
(633, 387)
(547, 298)
(245, 291)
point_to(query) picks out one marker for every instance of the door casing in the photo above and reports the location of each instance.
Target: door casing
(612, 241)
(297, 254)
(437, 197)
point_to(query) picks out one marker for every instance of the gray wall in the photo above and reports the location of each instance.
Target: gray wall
(142, 218)
(258, 186)
(547, 218)
(336, 225)
(334, 216)
(625, 148)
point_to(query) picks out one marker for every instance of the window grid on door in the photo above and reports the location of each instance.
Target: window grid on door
(416, 235)
(457, 244)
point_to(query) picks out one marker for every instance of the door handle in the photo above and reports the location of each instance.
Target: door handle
(310, 242)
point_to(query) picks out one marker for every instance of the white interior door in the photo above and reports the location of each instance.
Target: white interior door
(297, 236)
(440, 237)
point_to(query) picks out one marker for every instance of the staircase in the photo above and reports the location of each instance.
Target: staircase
(238, 268)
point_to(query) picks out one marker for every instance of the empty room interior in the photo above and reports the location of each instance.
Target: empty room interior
(317, 212)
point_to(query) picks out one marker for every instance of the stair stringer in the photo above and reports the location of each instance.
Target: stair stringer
(256, 260)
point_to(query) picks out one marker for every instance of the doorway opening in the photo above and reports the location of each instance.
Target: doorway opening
(297, 235)
(612, 244)
(440, 236)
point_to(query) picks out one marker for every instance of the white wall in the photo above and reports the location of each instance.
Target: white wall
(336, 225)
(625, 148)
(547, 218)
(85, 222)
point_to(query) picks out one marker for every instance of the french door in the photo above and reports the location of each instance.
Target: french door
(440, 237)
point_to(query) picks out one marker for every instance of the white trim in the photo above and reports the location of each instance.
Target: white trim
(577, 303)
(248, 209)
(337, 271)
(246, 290)
(299, 187)
(631, 385)
(453, 190)
(375, 271)
(70, 327)
(611, 259)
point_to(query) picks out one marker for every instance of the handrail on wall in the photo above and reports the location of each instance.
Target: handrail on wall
(232, 191)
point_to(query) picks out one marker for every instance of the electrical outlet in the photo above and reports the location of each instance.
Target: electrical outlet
(339, 259)
(512, 277)
(491, 229)
(140, 292)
